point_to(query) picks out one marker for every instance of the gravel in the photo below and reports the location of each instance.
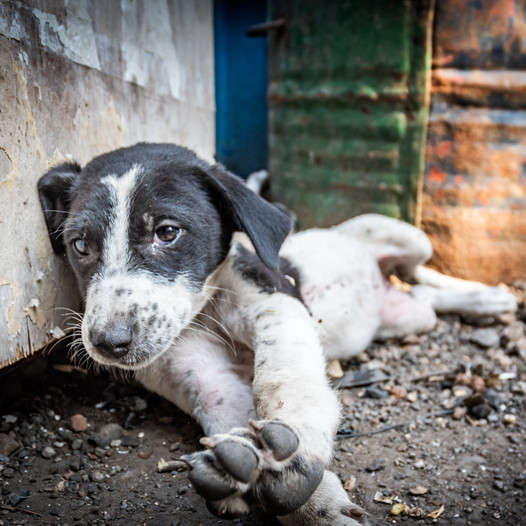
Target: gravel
(433, 426)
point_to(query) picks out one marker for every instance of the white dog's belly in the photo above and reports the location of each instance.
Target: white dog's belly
(342, 287)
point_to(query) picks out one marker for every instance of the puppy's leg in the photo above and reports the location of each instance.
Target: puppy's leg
(200, 376)
(402, 314)
(397, 246)
(279, 462)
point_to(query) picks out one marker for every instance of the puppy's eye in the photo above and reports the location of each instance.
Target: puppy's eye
(166, 234)
(81, 246)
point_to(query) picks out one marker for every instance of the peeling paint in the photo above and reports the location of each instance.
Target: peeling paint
(77, 40)
(148, 60)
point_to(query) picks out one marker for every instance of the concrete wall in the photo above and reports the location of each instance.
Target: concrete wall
(79, 78)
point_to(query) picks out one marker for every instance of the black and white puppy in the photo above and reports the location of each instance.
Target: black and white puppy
(180, 269)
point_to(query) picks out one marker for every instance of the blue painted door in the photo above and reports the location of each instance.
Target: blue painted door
(241, 86)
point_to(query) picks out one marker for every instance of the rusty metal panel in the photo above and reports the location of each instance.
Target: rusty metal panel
(79, 78)
(348, 86)
(474, 204)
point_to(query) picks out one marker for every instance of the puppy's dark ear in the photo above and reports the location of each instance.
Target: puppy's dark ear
(264, 224)
(56, 190)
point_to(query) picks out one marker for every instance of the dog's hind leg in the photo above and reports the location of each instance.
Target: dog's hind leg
(397, 246)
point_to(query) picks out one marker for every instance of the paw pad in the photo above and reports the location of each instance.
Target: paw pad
(280, 439)
(283, 493)
(237, 459)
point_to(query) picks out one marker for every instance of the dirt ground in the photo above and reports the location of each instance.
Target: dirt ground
(414, 439)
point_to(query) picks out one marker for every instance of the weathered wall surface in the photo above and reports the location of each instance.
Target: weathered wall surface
(79, 78)
(474, 205)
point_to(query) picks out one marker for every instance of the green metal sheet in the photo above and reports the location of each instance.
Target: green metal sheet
(348, 92)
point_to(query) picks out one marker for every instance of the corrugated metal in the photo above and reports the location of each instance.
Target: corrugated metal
(475, 183)
(348, 106)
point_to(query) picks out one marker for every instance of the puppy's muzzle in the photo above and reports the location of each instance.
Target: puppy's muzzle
(114, 341)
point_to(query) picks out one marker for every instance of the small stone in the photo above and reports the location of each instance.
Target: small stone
(459, 413)
(145, 453)
(376, 392)
(412, 397)
(513, 332)
(139, 404)
(55, 511)
(334, 369)
(485, 338)
(350, 483)
(10, 419)
(399, 392)
(8, 444)
(376, 465)
(17, 496)
(48, 452)
(106, 434)
(419, 464)
(480, 411)
(509, 419)
(97, 476)
(76, 444)
(418, 490)
(78, 423)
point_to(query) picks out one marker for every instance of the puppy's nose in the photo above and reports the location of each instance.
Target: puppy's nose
(114, 341)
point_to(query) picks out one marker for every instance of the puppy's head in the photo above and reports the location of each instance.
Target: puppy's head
(143, 228)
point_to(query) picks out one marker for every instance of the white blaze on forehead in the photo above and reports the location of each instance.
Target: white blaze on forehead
(116, 248)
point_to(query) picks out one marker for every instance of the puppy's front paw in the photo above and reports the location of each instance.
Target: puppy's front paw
(258, 466)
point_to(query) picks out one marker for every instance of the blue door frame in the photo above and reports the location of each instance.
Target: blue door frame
(241, 86)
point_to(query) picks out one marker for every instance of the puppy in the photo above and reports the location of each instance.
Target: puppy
(190, 281)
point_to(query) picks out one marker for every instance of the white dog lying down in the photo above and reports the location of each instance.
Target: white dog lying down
(228, 331)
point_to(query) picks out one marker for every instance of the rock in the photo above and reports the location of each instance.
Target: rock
(139, 404)
(334, 369)
(480, 411)
(78, 423)
(509, 419)
(399, 392)
(376, 465)
(459, 413)
(104, 436)
(376, 392)
(76, 444)
(485, 338)
(48, 452)
(513, 332)
(17, 496)
(418, 490)
(8, 444)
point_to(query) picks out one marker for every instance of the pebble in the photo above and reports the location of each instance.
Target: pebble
(106, 434)
(480, 411)
(377, 465)
(8, 444)
(509, 419)
(399, 392)
(17, 496)
(513, 332)
(76, 444)
(139, 404)
(485, 338)
(78, 423)
(48, 452)
(376, 392)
